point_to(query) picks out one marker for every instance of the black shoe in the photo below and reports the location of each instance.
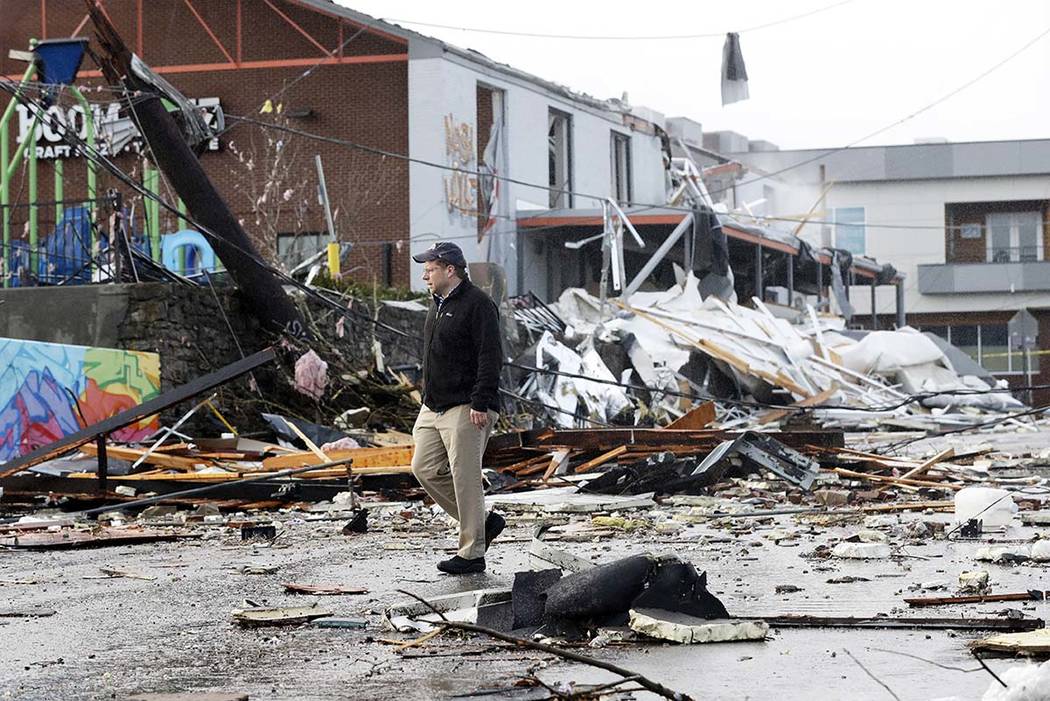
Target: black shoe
(494, 525)
(461, 565)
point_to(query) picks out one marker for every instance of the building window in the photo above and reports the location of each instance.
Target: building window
(1014, 237)
(849, 229)
(293, 249)
(620, 152)
(559, 155)
(988, 345)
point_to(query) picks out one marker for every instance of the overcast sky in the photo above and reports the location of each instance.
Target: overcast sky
(824, 80)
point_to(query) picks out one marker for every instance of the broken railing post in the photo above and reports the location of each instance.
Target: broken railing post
(901, 320)
(820, 284)
(874, 312)
(103, 462)
(759, 287)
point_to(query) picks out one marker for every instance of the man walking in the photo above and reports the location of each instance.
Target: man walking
(462, 358)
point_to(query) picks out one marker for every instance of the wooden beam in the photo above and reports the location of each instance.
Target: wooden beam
(923, 467)
(696, 418)
(894, 480)
(977, 599)
(558, 459)
(320, 473)
(601, 460)
(174, 462)
(363, 457)
(816, 400)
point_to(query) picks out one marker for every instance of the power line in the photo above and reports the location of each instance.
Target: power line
(619, 37)
(902, 120)
(641, 206)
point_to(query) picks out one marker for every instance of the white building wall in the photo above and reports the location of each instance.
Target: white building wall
(920, 203)
(446, 85)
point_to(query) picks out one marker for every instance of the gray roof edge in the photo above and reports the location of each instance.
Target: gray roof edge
(948, 144)
(329, 6)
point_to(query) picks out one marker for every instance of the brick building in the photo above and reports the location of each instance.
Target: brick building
(317, 67)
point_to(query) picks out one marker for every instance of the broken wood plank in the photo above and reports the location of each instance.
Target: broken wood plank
(768, 417)
(559, 458)
(66, 540)
(318, 453)
(927, 464)
(1036, 642)
(842, 472)
(997, 623)
(700, 416)
(173, 462)
(910, 506)
(290, 615)
(600, 460)
(1033, 595)
(522, 465)
(26, 613)
(363, 457)
(320, 473)
(321, 589)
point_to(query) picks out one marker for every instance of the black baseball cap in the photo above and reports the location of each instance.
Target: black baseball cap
(445, 250)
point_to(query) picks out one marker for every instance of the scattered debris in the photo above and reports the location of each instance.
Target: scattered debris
(1033, 595)
(682, 628)
(1033, 643)
(266, 531)
(861, 551)
(321, 589)
(291, 615)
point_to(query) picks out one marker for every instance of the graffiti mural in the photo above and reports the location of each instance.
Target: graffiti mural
(50, 390)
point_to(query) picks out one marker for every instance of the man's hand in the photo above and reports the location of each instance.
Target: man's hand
(480, 419)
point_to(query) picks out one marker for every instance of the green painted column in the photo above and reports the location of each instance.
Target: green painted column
(151, 209)
(59, 168)
(34, 213)
(92, 167)
(5, 175)
(155, 243)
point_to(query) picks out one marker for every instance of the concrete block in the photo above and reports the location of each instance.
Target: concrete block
(861, 551)
(679, 628)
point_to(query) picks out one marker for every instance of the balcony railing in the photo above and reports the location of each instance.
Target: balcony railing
(1004, 275)
(1014, 254)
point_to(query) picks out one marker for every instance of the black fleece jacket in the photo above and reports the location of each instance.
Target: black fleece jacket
(462, 353)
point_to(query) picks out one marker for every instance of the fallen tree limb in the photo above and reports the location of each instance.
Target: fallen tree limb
(648, 684)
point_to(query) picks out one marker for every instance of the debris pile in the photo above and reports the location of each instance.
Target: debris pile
(647, 359)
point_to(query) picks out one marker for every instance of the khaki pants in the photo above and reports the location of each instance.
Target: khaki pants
(447, 462)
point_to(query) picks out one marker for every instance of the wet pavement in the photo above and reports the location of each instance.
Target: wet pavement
(111, 638)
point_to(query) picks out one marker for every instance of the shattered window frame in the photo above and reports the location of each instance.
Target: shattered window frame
(620, 166)
(849, 226)
(559, 158)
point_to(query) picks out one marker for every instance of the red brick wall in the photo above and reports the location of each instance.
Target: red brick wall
(366, 103)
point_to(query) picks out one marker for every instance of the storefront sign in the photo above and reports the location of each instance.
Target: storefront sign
(114, 133)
